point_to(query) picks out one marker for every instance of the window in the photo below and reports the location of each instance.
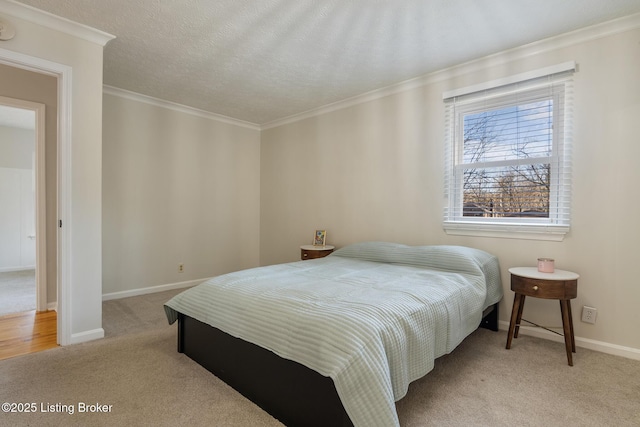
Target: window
(508, 158)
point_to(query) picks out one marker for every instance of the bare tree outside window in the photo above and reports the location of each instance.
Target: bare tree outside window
(506, 155)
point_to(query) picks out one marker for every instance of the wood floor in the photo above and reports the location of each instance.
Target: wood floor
(29, 332)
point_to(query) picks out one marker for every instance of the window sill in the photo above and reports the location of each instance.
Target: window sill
(553, 233)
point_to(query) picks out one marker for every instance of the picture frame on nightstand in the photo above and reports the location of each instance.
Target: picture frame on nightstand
(320, 238)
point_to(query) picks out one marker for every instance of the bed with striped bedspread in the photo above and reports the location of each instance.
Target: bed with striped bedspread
(372, 316)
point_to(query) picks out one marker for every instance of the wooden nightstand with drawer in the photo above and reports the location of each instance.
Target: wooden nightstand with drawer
(561, 285)
(312, 252)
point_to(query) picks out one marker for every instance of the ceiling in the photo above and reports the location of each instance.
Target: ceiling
(264, 60)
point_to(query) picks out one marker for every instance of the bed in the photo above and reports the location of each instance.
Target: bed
(337, 340)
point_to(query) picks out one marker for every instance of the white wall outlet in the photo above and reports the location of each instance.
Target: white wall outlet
(180, 268)
(589, 314)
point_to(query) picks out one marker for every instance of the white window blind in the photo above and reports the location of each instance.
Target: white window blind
(508, 159)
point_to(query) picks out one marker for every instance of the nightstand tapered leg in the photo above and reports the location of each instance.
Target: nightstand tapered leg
(516, 311)
(519, 318)
(573, 339)
(568, 330)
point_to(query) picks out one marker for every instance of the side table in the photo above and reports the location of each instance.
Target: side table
(312, 252)
(561, 285)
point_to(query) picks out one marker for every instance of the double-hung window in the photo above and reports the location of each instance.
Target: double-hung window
(508, 156)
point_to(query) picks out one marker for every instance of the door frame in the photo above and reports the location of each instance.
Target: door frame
(40, 196)
(63, 73)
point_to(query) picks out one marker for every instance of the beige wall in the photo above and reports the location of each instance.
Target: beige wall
(177, 188)
(374, 171)
(35, 87)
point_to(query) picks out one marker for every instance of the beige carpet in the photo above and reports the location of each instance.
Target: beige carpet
(17, 291)
(137, 371)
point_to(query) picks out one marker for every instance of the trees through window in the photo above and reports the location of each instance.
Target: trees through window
(506, 161)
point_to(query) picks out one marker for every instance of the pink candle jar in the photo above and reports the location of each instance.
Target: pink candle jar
(546, 265)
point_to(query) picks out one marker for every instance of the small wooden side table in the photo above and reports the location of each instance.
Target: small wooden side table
(561, 285)
(312, 252)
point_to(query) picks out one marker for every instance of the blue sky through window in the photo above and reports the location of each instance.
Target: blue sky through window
(509, 133)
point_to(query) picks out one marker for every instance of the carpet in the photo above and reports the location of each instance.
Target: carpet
(137, 372)
(17, 291)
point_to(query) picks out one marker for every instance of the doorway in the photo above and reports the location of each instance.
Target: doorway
(25, 76)
(23, 275)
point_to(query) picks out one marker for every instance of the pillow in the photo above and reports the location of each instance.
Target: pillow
(440, 257)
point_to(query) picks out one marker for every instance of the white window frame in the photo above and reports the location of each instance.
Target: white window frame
(557, 82)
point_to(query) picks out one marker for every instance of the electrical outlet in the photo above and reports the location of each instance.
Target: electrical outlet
(180, 268)
(589, 314)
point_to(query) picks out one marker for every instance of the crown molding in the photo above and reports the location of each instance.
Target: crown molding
(46, 19)
(134, 96)
(581, 35)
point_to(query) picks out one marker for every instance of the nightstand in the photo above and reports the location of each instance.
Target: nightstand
(561, 285)
(312, 252)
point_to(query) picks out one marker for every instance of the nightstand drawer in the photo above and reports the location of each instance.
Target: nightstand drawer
(313, 252)
(551, 289)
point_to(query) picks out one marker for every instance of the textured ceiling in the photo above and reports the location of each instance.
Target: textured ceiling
(265, 60)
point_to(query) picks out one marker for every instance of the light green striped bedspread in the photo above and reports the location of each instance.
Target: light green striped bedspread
(372, 316)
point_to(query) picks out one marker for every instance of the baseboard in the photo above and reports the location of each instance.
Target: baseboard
(94, 334)
(603, 347)
(151, 289)
(11, 269)
(142, 291)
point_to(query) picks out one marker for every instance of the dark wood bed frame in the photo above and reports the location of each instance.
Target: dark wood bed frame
(289, 391)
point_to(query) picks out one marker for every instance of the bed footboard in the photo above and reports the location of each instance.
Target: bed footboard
(291, 392)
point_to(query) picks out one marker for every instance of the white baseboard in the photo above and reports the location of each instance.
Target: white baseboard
(151, 289)
(142, 291)
(603, 347)
(94, 334)
(23, 268)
